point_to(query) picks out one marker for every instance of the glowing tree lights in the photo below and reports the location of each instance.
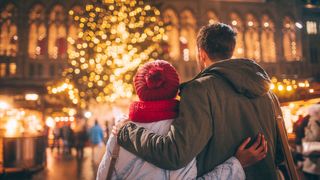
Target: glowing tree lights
(115, 37)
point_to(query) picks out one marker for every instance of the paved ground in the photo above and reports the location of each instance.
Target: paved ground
(61, 167)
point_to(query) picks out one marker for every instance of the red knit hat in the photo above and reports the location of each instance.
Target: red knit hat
(157, 80)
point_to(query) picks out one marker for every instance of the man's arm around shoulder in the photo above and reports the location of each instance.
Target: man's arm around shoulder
(188, 135)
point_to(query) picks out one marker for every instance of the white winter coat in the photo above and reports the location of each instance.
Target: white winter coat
(129, 166)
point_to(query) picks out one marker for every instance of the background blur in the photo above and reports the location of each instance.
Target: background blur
(65, 64)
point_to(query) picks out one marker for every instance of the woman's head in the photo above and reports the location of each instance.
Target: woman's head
(157, 80)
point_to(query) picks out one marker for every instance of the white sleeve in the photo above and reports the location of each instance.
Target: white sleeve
(229, 170)
(105, 162)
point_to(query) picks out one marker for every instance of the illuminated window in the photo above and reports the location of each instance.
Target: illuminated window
(3, 70)
(37, 32)
(252, 38)
(267, 40)
(8, 31)
(188, 33)
(312, 27)
(57, 44)
(171, 19)
(238, 26)
(73, 28)
(212, 17)
(12, 69)
(289, 40)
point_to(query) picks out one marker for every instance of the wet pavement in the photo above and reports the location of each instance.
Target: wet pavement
(67, 167)
(61, 167)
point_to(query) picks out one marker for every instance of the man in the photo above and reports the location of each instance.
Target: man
(227, 102)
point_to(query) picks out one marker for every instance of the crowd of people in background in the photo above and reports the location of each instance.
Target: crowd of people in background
(307, 143)
(65, 139)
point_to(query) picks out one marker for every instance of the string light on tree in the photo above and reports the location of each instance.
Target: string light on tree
(116, 37)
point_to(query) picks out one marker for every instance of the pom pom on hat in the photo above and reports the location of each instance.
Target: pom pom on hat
(157, 80)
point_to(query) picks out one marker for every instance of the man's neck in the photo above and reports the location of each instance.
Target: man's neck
(209, 62)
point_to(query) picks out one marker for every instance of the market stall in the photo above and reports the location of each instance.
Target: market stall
(22, 139)
(293, 111)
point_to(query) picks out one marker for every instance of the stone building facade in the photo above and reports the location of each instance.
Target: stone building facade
(281, 35)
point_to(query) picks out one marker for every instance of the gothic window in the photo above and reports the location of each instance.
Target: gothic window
(212, 17)
(12, 69)
(57, 44)
(171, 21)
(252, 40)
(37, 32)
(289, 39)
(267, 40)
(188, 35)
(3, 70)
(8, 31)
(237, 24)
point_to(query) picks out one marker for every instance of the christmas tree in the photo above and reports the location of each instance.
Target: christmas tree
(116, 37)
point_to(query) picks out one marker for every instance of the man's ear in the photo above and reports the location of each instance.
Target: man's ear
(203, 55)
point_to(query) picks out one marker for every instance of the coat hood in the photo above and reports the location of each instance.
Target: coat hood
(244, 75)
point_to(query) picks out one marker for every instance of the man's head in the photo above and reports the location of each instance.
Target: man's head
(215, 42)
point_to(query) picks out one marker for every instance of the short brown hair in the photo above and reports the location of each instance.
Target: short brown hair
(218, 40)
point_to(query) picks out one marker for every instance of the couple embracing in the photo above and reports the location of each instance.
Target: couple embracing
(223, 127)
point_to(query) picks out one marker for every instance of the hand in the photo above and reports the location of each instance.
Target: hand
(251, 155)
(115, 128)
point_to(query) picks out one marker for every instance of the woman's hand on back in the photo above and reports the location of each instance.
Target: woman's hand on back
(253, 154)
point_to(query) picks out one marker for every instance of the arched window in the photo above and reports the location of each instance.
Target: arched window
(37, 32)
(57, 44)
(212, 17)
(252, 38)
(188, 35)
(73, 28)
(171, 20)
(289, 39)
(8, 31)
(267, 40)
(237, 24)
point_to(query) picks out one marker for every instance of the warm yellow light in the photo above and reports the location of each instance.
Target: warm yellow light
(114, 47)
(311, 90)
(307, 84)
(71, 12)
(272, 86)
(87, 114)
(4, 105)
(289, 88)
(32, 97)
(72, 112)
(301, 85)
(280, 87)
(11, 127)
(234, 22)
(291, 105)
(50, 122)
